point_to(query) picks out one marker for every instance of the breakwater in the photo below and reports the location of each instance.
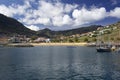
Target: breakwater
(18, 45)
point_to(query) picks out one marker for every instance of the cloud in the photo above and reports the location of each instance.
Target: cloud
(62, 20)
(115, 12)
(84, 15)
(5, 10)
(49, 14)
(14, 9)
(33, 27)
(57, 14)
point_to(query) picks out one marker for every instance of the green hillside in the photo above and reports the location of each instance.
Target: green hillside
(108, 33)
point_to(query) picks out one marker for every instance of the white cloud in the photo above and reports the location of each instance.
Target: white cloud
(62, 20)
(56, 14)
(33, 27)
(68, 8)
(67, 20)
(45, 21)
(57, 21)
(5, 10)
(115, 12)
(49, 14)
(84, 16)
(14, 9)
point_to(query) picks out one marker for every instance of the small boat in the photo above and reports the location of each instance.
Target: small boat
(104, 49)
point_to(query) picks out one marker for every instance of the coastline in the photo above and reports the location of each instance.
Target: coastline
(59, 44)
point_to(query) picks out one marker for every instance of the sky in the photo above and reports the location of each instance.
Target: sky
(61, 14)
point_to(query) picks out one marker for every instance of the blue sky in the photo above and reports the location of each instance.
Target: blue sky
(61, 14)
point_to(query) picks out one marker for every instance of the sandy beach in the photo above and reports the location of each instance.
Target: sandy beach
(59, 44)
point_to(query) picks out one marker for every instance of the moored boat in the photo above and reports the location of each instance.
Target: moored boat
(104, 49)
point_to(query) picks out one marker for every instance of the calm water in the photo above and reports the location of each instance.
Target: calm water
(58, 63)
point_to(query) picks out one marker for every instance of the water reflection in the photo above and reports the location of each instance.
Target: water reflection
(50, 74)
(58, 63)
(104, 60)
(70, 67)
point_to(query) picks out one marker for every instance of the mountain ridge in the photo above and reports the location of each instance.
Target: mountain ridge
(10, 25)
(50, 33)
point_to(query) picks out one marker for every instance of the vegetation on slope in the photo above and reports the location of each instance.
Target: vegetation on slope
(11, 26)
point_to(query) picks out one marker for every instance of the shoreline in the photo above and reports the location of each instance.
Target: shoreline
(59, 44)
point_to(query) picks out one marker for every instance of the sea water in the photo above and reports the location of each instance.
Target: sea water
(58, 63)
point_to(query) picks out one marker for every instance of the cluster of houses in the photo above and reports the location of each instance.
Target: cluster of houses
(18, 39)
(42, 39)
(24, 39)
(3, 40)
(99, 31)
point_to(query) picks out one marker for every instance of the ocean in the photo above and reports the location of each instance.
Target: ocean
(58, 63)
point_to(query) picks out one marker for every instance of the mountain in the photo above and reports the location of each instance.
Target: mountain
(11, 26)
(46, 33)
(49, 33)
